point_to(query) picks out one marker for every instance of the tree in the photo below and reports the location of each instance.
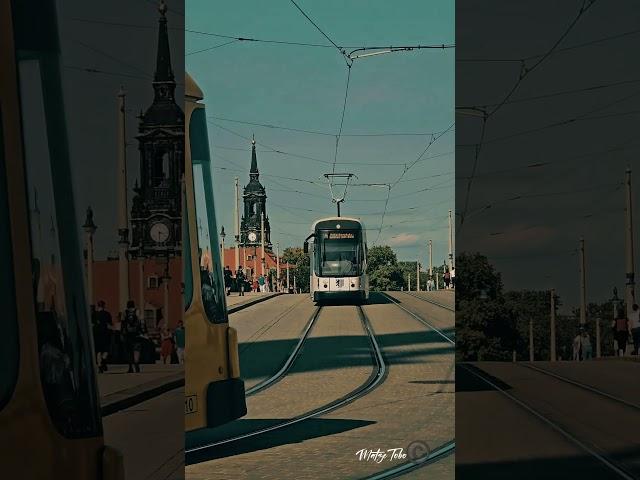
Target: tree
(486, 326)
(383, 269)
(302, 272)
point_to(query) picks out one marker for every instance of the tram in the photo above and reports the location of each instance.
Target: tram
(50, 421)
(338, 257)
(214, 391)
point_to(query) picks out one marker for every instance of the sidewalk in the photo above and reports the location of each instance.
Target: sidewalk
(235, 302)
(120, 390)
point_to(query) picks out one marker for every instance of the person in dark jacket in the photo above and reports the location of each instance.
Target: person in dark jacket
(133, 330)
(101, 335)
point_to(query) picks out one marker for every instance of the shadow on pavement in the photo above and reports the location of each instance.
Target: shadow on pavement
(326, 353)
(306, 430)
(467, 382)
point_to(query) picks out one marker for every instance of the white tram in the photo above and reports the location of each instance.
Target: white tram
(338, 256)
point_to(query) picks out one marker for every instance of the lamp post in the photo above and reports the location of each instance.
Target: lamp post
(222, 235)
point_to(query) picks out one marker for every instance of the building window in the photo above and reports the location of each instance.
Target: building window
(150, 317)
(249, 257)
(153, 281)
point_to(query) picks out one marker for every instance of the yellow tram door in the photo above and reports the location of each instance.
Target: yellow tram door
(214, 392)
(50, 423)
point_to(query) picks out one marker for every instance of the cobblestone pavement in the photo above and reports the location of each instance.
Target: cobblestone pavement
(489, 445)
(267, 332)
(414, 403)
(583, 413)
(445, 297)
(437, 316)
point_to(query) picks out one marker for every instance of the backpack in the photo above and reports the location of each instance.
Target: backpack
(131, 324)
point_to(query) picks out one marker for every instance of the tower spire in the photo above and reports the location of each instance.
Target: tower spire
(163, 73)
(254, 173)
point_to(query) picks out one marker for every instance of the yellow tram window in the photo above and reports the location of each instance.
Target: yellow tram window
(9, 345)
(213, 298)
(64, 343)
(186, 262)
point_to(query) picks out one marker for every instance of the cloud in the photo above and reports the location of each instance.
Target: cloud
(403, 239)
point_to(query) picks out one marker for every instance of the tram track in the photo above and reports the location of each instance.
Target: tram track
(427, 300)
(379, 373)
(582, 386)
(609, 463)
(431, 456)
(282, 372)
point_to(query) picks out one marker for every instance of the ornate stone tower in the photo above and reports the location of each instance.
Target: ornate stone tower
(255, 204)
(157, 205)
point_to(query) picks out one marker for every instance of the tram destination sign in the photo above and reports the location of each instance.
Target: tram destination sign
(341, 235)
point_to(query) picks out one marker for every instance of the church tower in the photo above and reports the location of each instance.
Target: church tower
(157, 205)
(255, 204)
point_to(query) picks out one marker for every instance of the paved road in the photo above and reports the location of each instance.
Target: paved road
(414, 403)
(150, 435)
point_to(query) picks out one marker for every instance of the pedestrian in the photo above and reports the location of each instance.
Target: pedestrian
(577, 343)
(180, 341)
(254, 286)
(447, 278)
(101, 335)
(240, 281)
(585, 345)
(116, 350)
(227, 280)
(622, 335)
(262, 284)
(133, 330)
(166, 345)
(634, 325)
(453, 278)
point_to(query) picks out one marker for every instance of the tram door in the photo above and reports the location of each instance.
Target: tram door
(50, 423)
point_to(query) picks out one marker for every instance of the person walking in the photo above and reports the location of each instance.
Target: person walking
(133, 330)
(101, 335)
(227, 280)
(180, 341)
(447, 279)
(166, 345)
(261, 283)
(254, 286)
(622, 335)
(634, 325)
(240, 282)
(585, 345)
(577, 343)
(453, 278)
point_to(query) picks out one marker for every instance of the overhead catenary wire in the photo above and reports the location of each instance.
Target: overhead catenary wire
(489, 113)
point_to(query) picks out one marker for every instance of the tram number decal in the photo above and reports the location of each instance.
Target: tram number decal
(190, 404)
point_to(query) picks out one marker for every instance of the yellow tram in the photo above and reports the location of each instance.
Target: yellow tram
(50, 423)
(214, 392)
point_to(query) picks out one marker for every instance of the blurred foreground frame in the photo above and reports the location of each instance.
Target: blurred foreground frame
(51, 403)
(544, 149)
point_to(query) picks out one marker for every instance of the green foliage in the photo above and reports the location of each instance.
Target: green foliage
(383, 269)
(296, 256)
(486, 327)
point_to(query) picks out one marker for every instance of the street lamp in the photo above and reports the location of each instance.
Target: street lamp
(222, 235)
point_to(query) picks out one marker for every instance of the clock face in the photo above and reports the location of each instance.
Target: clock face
(159, 232)
(252, 236)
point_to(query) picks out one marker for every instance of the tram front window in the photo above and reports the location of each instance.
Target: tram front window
(339, 254)
(210, 275)
(9, 344)
(66, 358)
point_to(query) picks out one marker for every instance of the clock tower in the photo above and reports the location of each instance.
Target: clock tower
(157, 208)
(255, 205)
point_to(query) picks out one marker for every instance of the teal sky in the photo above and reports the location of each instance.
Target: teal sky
(303, 88)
